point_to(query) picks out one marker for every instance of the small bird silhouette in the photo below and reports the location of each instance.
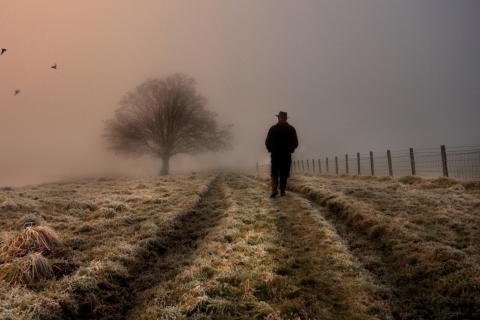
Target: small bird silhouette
(16, 92)
(3, 50)
(54, 66)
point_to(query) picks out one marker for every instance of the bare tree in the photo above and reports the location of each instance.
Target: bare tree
(163, 118)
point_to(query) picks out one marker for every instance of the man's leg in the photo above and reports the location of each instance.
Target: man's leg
(274, 174)
(274, 186)
(284, 174)
(283, 185)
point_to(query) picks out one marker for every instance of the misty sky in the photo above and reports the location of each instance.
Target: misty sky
(354, 76)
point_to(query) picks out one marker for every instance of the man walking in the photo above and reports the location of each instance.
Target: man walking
(281, 142)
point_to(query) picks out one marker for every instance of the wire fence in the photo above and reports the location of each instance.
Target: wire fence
(462, 163)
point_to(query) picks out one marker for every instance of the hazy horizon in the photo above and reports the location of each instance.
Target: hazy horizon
(354, 76)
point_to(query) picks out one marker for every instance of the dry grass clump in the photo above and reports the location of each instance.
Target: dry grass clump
(85, 228)
(104, 270)
(32, 239)
(141, 185)
(441, 281)
(107, 213)
(162, 188)
(81, 205)
(9, 204)
(20, 302)
(123, 252)
(118, 206)
(411, 180)
(471, 185)
(99, 290)
(76, 243)
(125, 191)
(135, 199)
(30, 220)
(439, 183)
(26, 270)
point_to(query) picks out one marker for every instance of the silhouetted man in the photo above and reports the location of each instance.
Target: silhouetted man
(281, 142)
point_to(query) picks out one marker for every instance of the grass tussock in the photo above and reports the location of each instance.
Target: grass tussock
(32, 239)
(106, 213)
(30, 220)
(29, 269)
(9, 205)
(20, 302)
(81, 205)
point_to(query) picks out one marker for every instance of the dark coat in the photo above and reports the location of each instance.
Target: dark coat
(281, 139)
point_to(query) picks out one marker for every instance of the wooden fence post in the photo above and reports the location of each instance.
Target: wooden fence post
(390, 168)
(412, 161)
(308, 166)
(303, 167)
(371, 163)
(327, 164)
(319, 166)
(336, 164)
(358, 162)
(444, 160)
(256, 167)
(346, 163)
(313, 165)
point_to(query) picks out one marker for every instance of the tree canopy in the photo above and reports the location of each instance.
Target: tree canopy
(163, 118)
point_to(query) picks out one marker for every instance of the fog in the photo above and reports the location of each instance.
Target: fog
(354, 76)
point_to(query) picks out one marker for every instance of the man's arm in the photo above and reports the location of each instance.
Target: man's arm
(268, 141)
(294, 140)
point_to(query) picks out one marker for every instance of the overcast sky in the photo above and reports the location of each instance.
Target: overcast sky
(354, 76)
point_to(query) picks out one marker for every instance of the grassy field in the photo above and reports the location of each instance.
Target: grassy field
(215, 246)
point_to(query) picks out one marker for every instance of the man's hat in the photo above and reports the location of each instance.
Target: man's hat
(282, 114)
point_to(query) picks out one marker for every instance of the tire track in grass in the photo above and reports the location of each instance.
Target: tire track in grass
(268, 260)
(219, 282)
(320, 278)
(428, 279)
(439, 210)
(166, 254)
(109, 286)
(122, 247)
(265, 260)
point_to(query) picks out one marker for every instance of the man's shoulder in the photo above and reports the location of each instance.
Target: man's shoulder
(282, 126)
(275, 126)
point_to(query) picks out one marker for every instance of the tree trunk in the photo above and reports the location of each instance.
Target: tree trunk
(165, 166)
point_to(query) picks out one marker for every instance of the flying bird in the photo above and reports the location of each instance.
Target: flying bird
(3, 50)
(16, 92)
(54, 66)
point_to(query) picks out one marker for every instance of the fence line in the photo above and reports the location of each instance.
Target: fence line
(462, 163)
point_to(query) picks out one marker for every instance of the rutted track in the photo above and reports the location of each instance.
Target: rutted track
(266, 259)
(170, 250)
